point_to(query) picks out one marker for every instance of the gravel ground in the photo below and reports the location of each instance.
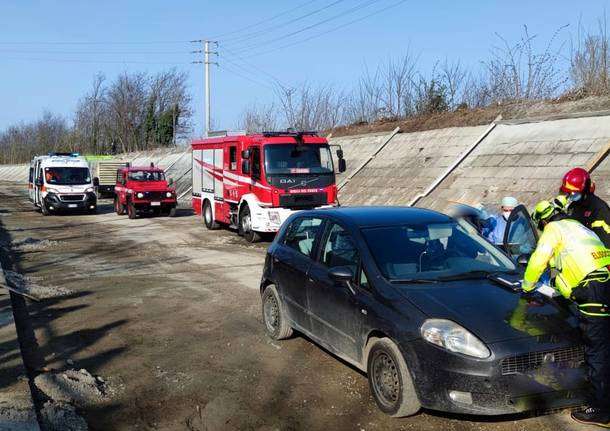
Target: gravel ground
(169, 314)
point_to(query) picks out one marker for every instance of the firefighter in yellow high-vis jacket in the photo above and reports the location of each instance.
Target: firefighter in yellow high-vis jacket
(582, 261)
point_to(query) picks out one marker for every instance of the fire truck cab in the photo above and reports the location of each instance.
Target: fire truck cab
(254, 182)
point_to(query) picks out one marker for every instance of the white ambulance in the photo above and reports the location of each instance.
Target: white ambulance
(62, 182)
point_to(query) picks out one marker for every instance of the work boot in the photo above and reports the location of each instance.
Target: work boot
(593, 416)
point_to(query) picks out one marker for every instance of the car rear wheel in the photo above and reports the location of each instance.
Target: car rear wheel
(276, 325)
(390, 380)
(245, 225)
(119, 208)
(208, 216)
(131, 210)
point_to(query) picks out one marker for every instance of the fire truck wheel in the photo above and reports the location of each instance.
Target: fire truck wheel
(131, 210)
(119, 207)
(276, 325)
(172, 212)
(245, 225)
(208, 217)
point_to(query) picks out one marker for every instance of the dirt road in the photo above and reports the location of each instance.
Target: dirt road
(169, 315)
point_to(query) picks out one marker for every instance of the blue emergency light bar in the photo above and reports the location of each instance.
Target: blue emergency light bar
(53, 153)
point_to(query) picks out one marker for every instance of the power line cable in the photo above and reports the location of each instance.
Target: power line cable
(246, 77)
(58, 60)
(252, 65)
(256, 54)
(21, 51)
(94, 43)
(256, 34)
(264, 21)
(356, 8)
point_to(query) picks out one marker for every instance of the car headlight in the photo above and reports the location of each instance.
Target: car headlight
(90, 190)
(274, 217)
(451, 336)
(140, 195)
(52, 190)
(168, 194)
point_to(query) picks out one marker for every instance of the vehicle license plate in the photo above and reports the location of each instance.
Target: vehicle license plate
(72, 205)
(155, 204)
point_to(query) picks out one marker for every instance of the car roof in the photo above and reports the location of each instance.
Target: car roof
(142, 168)
(381, 216)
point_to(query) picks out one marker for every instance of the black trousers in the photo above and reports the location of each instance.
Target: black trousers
(596, 334)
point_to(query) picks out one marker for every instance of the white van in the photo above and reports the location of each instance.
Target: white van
(62, 182)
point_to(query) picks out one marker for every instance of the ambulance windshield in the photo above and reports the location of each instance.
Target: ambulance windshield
(67, 176)
(290, 159)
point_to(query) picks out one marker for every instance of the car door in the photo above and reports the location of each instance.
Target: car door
(336, 314)
(520, 236)
(291, 262)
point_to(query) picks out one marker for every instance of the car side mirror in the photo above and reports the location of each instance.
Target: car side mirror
(245, 154)
(96, 181)
(170, 181)
(341, 274)
(245, 166)
(39, 182)
(523, 259)
(339, 153)
(342, 165)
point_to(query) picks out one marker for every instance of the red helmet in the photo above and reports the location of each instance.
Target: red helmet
(576, 180)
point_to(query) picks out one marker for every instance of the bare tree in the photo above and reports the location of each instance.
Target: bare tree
(516, 72)
(397, 79)
(310, 108)
(258, 119)
(590, 61)
(126, 103)
(365, 103)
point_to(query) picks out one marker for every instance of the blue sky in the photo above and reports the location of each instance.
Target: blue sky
(50, 50)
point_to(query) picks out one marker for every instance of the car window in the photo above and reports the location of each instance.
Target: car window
(339, 249)
(301, 234)
(434, 251)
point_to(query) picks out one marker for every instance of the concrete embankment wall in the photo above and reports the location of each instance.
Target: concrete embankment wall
(473, 165)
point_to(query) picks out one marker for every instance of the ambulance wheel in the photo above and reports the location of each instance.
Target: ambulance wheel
(119, 208)
(208, 217)
(131, 210)
(245, 225)
(43, 209)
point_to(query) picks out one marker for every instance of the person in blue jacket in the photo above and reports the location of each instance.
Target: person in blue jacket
(497, 223)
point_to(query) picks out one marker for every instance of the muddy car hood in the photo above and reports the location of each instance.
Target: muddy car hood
(491, 312)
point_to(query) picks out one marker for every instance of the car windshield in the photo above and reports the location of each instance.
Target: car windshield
(291, 159)
(435, 251)
(146, 176)
(64, 176)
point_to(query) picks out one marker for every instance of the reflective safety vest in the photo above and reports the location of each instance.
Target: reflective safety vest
(572, 249)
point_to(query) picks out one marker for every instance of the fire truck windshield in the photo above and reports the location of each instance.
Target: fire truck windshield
(146, 176)
(285, 159)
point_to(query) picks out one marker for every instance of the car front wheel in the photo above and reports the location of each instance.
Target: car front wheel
(390, 380)
(276, 325)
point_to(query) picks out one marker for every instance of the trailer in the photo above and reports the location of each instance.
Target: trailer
(106, 171)
(254, 182)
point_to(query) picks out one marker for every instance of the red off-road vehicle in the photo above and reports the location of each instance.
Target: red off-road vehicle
(143, 190)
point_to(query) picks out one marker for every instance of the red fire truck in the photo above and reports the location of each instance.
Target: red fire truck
(254, 182)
